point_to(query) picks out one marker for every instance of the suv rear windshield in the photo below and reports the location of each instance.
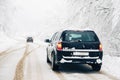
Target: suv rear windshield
(80, 36)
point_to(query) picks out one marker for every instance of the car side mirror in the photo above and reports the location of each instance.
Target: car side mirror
(47, 40)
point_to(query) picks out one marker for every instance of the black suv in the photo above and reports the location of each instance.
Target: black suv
(75, 46)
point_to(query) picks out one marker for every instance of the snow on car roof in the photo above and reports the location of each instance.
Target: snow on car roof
(77, 29)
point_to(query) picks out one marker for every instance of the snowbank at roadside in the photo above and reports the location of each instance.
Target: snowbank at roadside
(6, 42)
(111, 65)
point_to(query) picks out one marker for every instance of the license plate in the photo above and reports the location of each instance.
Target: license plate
(81, 53)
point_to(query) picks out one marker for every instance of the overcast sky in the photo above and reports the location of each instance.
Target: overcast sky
(32, 16)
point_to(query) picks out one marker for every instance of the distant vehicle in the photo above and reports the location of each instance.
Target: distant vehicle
(74, 46)
(29, 39)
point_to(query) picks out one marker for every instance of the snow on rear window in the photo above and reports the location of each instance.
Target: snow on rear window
(84, 36)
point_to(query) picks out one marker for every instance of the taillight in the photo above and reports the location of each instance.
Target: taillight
(59, 46)
(100, 47)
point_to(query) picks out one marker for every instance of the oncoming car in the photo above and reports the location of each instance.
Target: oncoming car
(75, 46)
(29, 39)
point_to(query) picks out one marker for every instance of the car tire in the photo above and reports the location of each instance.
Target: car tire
(54, 65)
(96, 67)
(48, 61)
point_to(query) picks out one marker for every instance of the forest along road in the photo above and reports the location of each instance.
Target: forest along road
(28, 62)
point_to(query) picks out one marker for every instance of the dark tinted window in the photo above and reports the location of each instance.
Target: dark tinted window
(80, 36)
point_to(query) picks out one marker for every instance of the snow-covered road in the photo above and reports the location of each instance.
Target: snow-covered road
(27, 61)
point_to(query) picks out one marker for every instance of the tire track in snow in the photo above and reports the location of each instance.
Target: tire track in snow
(19, 74)
(102, 75)
(10, 51)
(90, 75)
(5, 51)
(84, 76)
(28, 68)
(20, 66)
(69, 72)
(57, 73)
(39, 69)
(60, 75)
(97, 76)
(109, 75)
(33, 70)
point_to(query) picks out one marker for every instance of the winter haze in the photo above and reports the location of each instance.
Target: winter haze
(41, 18)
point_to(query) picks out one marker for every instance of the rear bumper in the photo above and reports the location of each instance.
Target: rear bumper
(94, 57)
(81, 60)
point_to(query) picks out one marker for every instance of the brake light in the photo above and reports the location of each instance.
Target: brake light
(59, 46)
(100, 47)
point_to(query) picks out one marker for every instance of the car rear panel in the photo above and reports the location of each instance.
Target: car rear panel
(78, 43)
(81, 45)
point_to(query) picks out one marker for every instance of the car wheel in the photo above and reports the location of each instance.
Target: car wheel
(54, 66)
(48, 61)
(96, 67)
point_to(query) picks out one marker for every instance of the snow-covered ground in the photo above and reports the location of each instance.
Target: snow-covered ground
(8, 61)
(40, 19)
(6, 42)
(111, 64)
(27, 61)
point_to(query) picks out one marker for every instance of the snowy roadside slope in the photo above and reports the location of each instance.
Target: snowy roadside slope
(101, 16)
(111, 65)
(6, 42)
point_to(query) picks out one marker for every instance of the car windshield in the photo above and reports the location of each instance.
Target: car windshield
(80, 36)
